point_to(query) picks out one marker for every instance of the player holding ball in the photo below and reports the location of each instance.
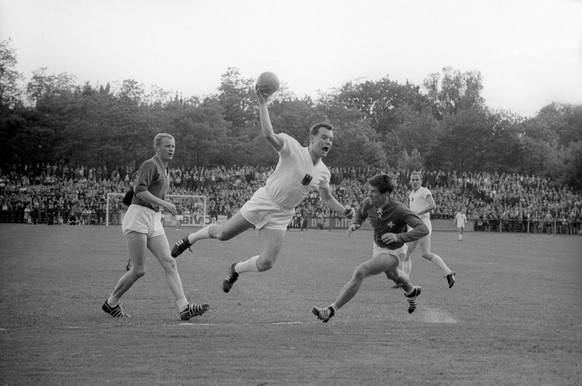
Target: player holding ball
(299, 171)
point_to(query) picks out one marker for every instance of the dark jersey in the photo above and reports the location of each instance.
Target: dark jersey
(152, 177)
(391, 218)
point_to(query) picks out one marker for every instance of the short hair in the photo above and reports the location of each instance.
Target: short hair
(383, 182)
(158, 139)
(419, 174)
(315, 128)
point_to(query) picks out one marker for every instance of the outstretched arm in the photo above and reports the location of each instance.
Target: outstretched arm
(266, 126)
(333, 204)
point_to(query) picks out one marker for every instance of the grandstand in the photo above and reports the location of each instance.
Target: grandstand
(61, 194)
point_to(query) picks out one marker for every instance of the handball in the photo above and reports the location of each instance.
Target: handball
(267, 83)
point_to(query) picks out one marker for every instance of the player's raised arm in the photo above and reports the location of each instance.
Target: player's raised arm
(266, 126)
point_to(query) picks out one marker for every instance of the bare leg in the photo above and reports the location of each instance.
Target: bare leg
(271, 243)
(233, 227)
(399, 276)
(161, 250)
(136, 247)
(406, 265)
(381, 263)
(425, 243)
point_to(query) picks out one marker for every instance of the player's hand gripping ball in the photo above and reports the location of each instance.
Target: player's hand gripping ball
(267, 83)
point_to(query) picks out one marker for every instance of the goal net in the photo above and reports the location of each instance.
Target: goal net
(191, 210)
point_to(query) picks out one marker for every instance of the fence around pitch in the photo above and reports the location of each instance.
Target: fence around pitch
(552, 227)
(196, 220)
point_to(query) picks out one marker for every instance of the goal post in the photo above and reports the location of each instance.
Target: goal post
(191, 210)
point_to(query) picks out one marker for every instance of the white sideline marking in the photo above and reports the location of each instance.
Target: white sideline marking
(434, 315)
(220, 324)
(198, 324)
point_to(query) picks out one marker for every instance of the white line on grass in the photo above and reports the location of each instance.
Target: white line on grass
(435, 315)
(198, 324)
(220, 324)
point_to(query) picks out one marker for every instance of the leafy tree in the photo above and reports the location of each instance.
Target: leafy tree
(551, 139)
(131, 92)
(414, 131)
(503, 148)
(50, 91)
(558, 121)
(375, 124)
(12, 112)
(534, 156)
(356, 143)
(411, 162)
(236, 95)
(572, 166)
(377, 101)
(10, 94)
(12, 123)
(463, 146)
(201, 134)
(293, 117)
(453, 91)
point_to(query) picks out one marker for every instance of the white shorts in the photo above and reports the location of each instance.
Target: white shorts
(142, 220)
(399, 253)
(262, 212)
(428, 224)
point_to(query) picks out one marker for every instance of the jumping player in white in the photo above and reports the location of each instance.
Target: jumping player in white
(422, 203)
(299, 171)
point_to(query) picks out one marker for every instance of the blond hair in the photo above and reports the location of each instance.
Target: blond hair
(419, 174)
(159, 137)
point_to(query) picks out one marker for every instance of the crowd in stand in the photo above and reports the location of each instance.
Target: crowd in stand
(65, 194)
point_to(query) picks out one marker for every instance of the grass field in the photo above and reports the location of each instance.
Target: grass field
(513, 318)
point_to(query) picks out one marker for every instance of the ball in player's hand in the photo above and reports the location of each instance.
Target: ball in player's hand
(267, 83)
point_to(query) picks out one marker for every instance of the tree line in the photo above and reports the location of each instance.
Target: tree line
(442, 124)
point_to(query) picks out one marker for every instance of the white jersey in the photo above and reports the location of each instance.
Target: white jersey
(295, 175)
(417, 202)
(460, 220)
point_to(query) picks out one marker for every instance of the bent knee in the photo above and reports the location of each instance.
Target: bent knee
(360, 273)
(138, 272)
(265, 265)
(222, 236)
(427, 256)
(170, 265)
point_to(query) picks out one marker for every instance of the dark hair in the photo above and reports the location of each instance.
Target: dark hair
(315, 128)
(383, 182)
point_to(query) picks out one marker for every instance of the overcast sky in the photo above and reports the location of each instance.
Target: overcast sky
(529, 52)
